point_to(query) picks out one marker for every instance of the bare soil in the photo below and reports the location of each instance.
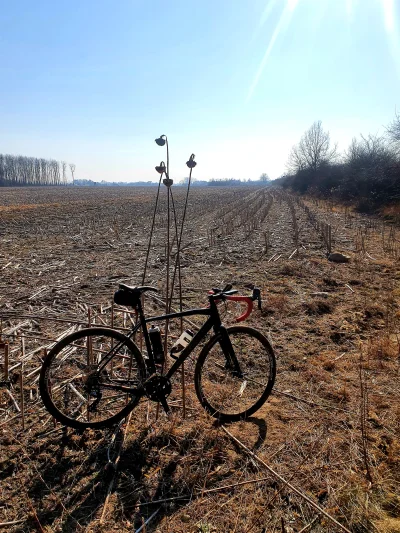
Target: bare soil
(331, 427)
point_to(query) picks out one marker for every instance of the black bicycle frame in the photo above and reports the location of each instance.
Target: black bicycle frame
(213, 322)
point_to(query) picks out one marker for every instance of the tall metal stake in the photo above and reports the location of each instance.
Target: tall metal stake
(167, 181)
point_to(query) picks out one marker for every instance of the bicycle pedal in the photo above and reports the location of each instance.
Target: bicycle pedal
(164, 403)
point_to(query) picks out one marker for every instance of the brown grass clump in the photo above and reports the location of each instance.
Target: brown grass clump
(318, 307)
(384, 348)
(388, 525)
(291, 269)
(276, 304)
(392, 211)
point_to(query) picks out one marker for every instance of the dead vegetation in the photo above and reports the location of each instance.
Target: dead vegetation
(331, 429)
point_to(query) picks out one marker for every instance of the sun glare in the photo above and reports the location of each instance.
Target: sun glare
(281, 26)
(267, 11)
(389, 19)
(388, 15)
(349, 9)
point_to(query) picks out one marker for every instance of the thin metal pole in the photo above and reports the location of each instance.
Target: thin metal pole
(178, 262)
(178, 267)
(151, 231)
(166, 141)
(112, 340)
(167, 295)
(88, 341)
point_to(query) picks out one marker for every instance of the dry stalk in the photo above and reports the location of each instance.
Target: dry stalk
(292, 487)
(21, 385)
(364, 415)
(302, 530)
(12, 523)
(143, 527)
(207, 491)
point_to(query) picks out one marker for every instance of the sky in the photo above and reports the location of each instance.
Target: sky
(236, 82)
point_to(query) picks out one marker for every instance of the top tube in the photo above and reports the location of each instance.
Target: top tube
(205, 311)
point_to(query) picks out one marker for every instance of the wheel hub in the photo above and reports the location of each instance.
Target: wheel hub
(92, 387)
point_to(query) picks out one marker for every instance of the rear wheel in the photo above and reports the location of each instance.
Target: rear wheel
(225, 392)
(76, 389)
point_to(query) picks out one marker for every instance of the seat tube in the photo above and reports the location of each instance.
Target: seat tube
(146, 336)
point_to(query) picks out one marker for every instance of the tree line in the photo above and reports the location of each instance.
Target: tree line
(263, 179)
(18, 170)
(367, 174)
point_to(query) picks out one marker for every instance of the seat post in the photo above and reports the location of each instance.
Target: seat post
(142, 319)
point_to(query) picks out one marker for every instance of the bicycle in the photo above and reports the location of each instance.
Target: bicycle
(94, 377)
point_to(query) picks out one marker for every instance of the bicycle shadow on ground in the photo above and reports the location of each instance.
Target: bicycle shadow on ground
(172, 461)
(63, 482)
(167, 465)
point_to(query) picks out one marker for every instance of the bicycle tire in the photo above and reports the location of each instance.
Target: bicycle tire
(66, 351)
(227, 397)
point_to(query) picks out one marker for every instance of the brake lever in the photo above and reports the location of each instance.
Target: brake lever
(257, 296)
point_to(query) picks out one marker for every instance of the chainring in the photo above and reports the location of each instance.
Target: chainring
(157, 387)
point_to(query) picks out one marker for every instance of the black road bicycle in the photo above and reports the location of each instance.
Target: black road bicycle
(94, 377)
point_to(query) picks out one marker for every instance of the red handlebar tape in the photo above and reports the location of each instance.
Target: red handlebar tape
(244, 299)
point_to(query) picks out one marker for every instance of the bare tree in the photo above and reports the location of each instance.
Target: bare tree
(393, 133)
(72, 168)
(264, 177)
(295, 162)
(64, 172)
(21, 170)
(369, 153)
(313, 150)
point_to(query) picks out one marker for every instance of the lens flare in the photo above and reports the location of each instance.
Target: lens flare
(264, 17)
(388, 15)
(390, 22)
(282, 25)
(349, 9)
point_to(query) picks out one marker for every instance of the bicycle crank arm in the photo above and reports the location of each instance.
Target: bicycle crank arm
(164, 403)
(140, 391)
(157, 388)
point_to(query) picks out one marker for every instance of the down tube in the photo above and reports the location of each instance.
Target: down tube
(205, 328)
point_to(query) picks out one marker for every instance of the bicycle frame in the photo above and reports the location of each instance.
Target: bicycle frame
(213, 322)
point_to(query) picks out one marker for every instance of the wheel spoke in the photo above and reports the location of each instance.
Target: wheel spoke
(224, 392)
(78, 389)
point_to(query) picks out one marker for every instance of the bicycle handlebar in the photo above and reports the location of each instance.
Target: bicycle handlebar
(244, 299)
(227, 294)
(221, 295)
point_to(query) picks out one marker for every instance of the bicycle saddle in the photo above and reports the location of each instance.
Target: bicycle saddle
(127, 295)
(137, 290)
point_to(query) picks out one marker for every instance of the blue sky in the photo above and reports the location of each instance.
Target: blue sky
(234, 81)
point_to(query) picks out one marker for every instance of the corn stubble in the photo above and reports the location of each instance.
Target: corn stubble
(330, 428)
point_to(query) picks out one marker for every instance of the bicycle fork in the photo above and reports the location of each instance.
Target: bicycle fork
(232, 362)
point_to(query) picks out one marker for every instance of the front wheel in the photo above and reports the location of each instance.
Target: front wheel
(229, 393)
(92, 378)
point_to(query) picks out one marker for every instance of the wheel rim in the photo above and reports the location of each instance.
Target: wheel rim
(79, 391)
(224, 391)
